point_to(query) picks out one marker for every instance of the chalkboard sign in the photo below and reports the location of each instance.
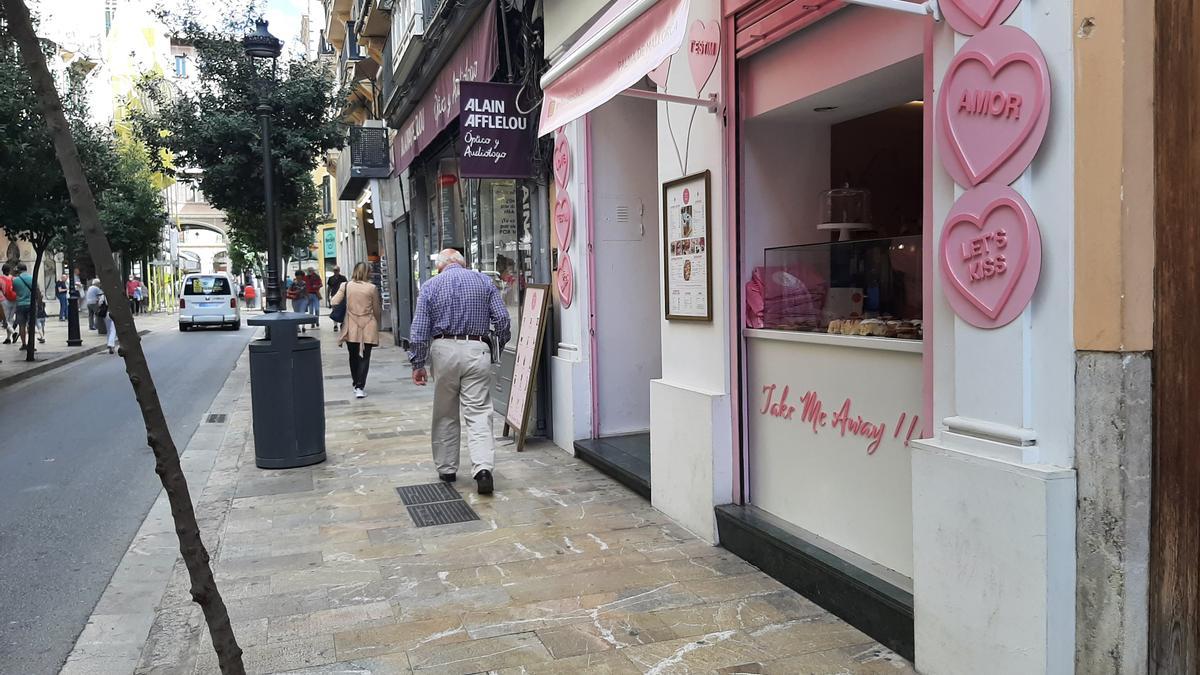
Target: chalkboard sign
(529, 351)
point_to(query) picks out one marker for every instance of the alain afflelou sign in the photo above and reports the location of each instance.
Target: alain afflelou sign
(495, 138)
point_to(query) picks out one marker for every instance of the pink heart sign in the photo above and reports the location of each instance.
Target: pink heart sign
(991, 255)
(704, 46)
(971, 16)
(564, 220)
(565, 280)
(562, 160)
(659, 75)
(993, 107)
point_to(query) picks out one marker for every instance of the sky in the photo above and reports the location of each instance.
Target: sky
(85, 18)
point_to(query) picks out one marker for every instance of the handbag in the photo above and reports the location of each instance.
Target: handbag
(102, 310)
(338, 313)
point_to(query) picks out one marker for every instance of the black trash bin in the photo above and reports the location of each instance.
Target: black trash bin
(288, 393)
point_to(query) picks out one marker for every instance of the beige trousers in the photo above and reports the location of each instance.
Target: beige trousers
(462, 382)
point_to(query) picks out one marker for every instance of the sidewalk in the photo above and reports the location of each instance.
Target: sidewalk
(55, 353)
(323, 570)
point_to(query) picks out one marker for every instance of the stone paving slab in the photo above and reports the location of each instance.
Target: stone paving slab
(566, 571)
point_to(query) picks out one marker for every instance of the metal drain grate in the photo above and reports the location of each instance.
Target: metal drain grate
(217, 418)
(435, 504)
(340, 402)
(427, 493)
(442, 513)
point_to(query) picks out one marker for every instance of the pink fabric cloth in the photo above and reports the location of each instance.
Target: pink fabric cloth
(785, 297)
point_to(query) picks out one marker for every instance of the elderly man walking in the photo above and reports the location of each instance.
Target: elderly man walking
(456, 311)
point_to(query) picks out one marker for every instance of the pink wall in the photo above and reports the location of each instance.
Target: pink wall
(851, 43)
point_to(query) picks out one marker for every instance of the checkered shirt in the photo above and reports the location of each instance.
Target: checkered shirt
(457, 301)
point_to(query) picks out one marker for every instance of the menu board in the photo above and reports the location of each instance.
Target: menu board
(687, 252)
(529, 348)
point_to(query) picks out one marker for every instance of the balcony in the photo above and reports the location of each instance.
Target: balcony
(374, 19)
(335, 26)
(407, 42)
(367, 150)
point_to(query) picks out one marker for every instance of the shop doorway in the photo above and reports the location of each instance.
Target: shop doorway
(627, 314)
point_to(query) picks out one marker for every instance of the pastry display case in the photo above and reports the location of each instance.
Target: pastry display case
(865, 288)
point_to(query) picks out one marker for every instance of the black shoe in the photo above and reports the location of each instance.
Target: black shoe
(448, 477)
(484, 479)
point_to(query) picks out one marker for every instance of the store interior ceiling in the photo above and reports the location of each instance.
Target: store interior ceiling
(887, 87)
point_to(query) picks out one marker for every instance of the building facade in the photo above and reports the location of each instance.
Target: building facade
(863, 292)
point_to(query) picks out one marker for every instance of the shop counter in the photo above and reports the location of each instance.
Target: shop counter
(829, 422)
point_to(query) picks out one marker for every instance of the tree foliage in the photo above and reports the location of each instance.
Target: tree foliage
(211, 125)
(34, 201)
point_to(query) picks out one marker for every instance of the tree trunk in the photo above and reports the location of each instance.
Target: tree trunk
(204, 587)
(35, 295)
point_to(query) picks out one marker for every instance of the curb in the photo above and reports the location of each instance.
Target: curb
(120, 624)
(47, 366)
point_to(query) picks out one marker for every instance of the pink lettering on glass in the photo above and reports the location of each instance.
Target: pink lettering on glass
(971, 16)
(993, 107)
(991, 255)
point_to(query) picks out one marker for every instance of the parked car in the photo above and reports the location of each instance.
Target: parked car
(208, 300)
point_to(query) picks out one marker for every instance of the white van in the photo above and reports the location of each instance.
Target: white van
(208, 300)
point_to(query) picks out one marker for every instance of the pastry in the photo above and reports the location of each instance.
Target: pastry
(835, 326)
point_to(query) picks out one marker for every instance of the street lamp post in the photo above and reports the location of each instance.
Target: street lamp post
(262, 45)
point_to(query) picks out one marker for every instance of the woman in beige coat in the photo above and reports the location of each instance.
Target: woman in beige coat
(360, 328)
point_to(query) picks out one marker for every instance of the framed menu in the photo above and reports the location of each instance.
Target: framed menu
(687, 248)
(529, 352)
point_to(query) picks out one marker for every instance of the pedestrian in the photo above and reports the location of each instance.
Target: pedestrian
(111, 328)
(92, 300)
(60, 292)
(23, 284)
(130, 286)
(298, 293)
(313, 281)
(8, 304)
(248, 294)
(332, 284)
(139, 296)
(360, 326)
(41, 321)
(456, 311)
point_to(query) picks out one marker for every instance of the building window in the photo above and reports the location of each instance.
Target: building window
(180, 65)
(326, 196)
(353, 51)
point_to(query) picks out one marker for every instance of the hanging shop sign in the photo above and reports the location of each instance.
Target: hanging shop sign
(329, 238)
(991, 255)
(495, 137)
(704, 46)
(994, 107)
(475, 60)
(971, 16)
(687, 252)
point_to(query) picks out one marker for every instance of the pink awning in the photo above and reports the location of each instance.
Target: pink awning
(617, 64)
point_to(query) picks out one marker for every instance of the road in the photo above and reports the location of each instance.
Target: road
(77, 479)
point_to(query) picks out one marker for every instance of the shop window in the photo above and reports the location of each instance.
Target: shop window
(180, 66)
(837, 211)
